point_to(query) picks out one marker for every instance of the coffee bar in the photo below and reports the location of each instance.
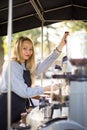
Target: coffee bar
(64, 112)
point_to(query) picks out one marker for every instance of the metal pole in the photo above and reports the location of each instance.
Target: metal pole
(9, 70)
(42, 50)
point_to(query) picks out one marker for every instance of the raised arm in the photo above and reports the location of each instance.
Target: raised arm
(45, 64)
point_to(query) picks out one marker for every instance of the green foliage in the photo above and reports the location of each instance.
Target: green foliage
(76, 25)
(33, 34)
(36, 34)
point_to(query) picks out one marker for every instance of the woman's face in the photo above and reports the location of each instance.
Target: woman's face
(27, 50)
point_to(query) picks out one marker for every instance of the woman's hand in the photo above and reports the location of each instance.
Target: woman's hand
(63, 41)
(48, 88)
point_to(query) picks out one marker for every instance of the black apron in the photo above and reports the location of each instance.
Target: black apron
(18, 104)
(27, 78)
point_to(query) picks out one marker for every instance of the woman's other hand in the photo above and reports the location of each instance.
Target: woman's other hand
(53, 87)
(63, 41)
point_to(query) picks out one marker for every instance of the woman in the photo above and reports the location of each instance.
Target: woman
(23, 72)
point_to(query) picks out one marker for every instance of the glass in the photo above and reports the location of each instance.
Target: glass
(77, 49)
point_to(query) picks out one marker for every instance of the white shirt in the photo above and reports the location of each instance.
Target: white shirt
(17, 82)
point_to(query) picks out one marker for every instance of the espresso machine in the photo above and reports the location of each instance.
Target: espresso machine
(77, 79)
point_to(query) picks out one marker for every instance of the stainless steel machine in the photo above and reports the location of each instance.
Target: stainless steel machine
(78, 83)
(77, 77)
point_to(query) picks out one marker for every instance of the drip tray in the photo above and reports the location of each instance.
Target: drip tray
(62, 125)
(16, 126)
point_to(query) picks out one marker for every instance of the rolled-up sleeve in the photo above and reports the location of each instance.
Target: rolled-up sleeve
(45, 64)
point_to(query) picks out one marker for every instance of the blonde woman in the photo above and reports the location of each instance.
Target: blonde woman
(23, 72)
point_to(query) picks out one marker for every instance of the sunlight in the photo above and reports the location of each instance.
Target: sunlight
(76, 46)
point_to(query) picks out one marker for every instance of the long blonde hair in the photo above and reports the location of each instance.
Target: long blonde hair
(17, 55)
